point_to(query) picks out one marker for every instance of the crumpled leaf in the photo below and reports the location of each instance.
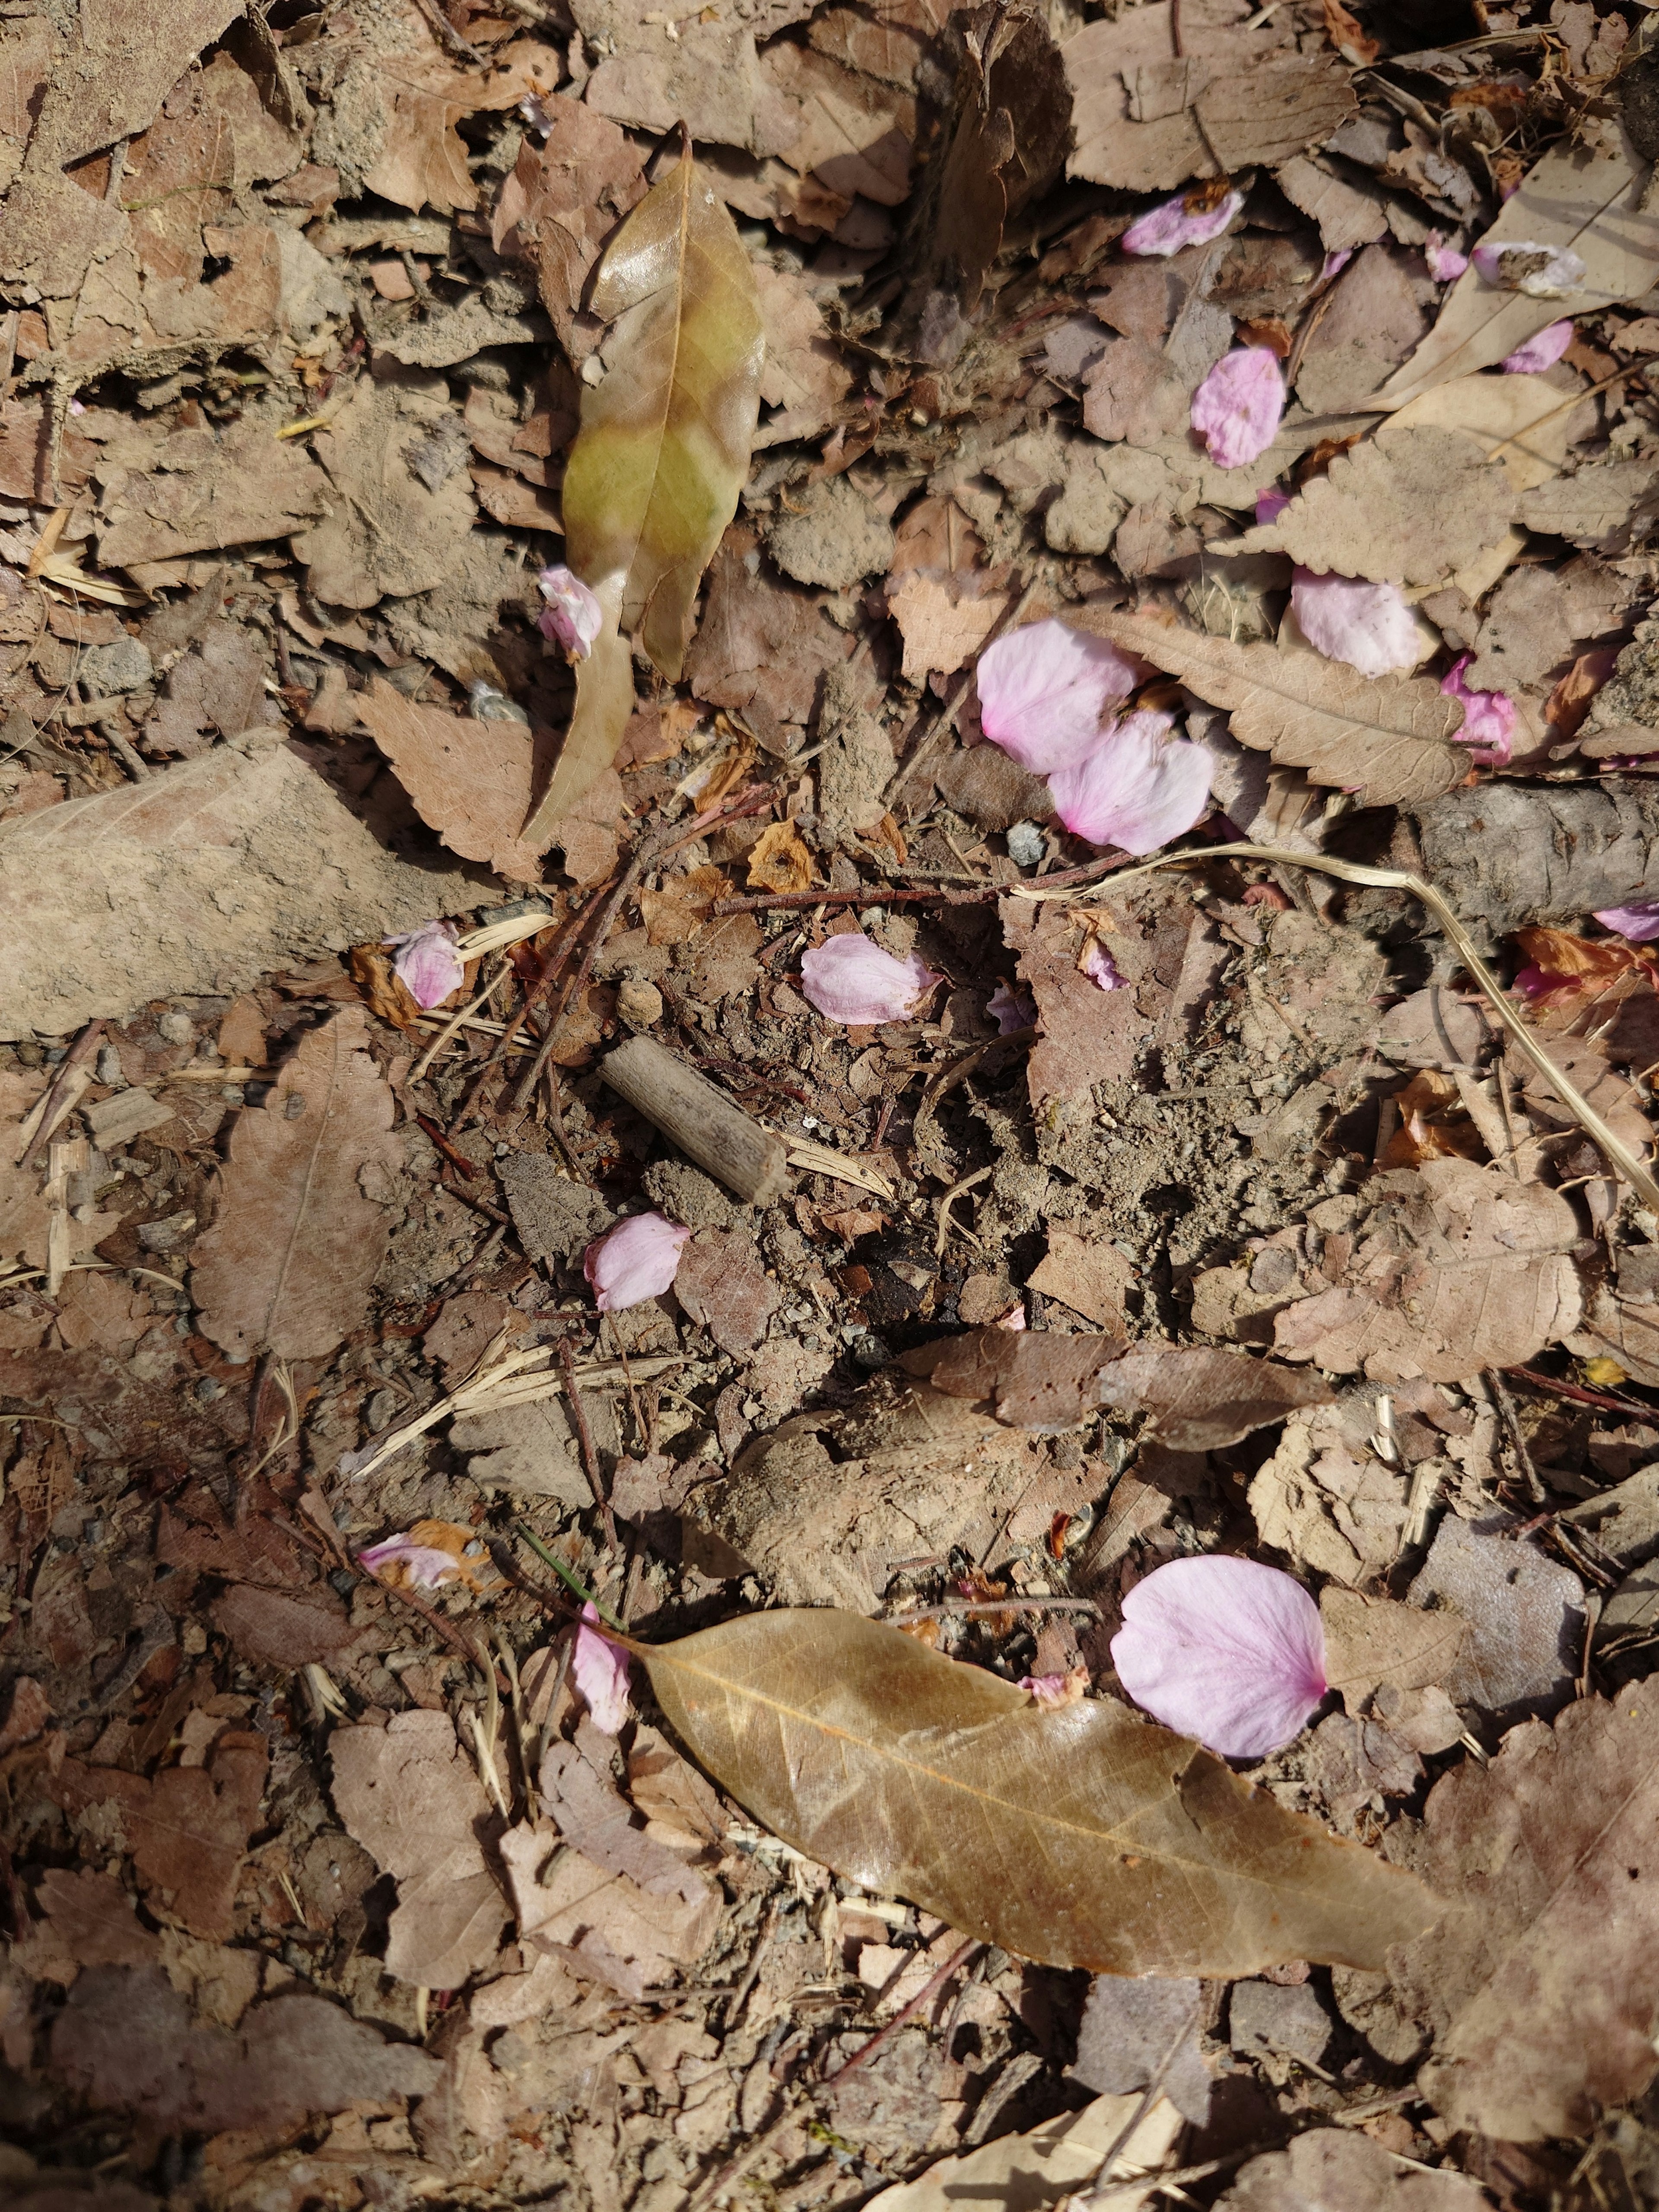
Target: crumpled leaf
(1039, 2170)
(1388, 736)
(289, 1264)
(1408, 506)
(925, 1779)
(1538, 1982)
(1595, 508)
(560, 201)
(1329, 2168)
(1583, 195)
(662, 450)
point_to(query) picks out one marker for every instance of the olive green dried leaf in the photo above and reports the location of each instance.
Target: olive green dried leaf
(1080, 1837)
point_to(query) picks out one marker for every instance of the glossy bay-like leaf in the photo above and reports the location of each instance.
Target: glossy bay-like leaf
(1077, 1837)
(662, 450)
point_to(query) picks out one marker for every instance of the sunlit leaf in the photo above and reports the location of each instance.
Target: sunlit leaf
(1078, 1836)
(662, 450)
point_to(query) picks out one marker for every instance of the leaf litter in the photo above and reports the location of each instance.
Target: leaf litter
(517, 536)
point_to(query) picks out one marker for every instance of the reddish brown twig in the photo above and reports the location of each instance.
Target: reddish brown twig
(1606, 1400)
(573, 1398)
(937, 894)
(923, 1997)
(77, 1055)
(538, 991)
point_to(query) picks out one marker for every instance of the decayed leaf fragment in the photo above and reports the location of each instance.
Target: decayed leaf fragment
(1388, 736)
(1135, 1852)
(288, 1265)
(662, 453)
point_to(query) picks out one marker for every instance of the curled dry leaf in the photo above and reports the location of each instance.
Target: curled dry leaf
(1037, 2170)
(1410, 506)
(1387, 736)
(288, 1265)
(662, 449)
(1139, 1853)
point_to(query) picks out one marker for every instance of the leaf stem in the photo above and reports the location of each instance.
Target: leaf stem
(564, 1574)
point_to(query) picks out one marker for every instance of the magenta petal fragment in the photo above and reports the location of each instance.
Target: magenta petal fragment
(1137, 789)
(428, 1567)
(600, 1670)
(1011, 1009)
(635, 1261)
(1445, 263)
(1539, 352)
(1520, 264)
(1368, 625)
(1101, 969)
(428, 963)
(1166, 229)
(1044, 690)
(1235, 410)
(848, 979)
(1640, 923)
(1488, 719)
(1271, 504)
(573, 617)
(1225, 1650)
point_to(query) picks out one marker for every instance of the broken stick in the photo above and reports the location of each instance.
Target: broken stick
(700, 1119)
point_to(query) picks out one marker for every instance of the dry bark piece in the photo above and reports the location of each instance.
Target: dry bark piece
(925, 1779)
(1388, 735)
(302, 1226)
(1508, 853)
(412, 1797)
(1536, 1984)
(700, 1119)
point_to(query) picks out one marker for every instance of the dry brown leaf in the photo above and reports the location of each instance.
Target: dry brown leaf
(1041, 2169)
(392, 531)
(1329, 2168)
(926, 1780)
(763, 646)
(1455, 1268)
(1595, 508)
(707, 74)
(721, 1283)
(1584, 194)
(471, 781)
(187, 1830)
(302, 1225)
(1385, 735)
(944, 620)
(1410, 506)
(1525, 1613)
(1537, 619)
(1089, 1277)
(410, 1795)
(779, 860)
(805, 377)
(1538, 1983)
(1135, 392)
(249, 487)
(561, 203)
(851, 131)
(1369, 1641)
(1348, 215)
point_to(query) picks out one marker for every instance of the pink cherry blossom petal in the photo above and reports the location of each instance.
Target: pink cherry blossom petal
(428, 962)
(1044, 690)
(1445, 263)
(573, 617)
(1488, 719)
(600, 1670)
(1368, 625)
(1539, 352)
(1014, 1319)
(1271, 504)
(1100, 967)
(1522, 265)
(635, 1261)
(1166, 229)
(1235, 410)
(848, 979)
(1335, 264)
(1640, 923)
(1011, 1009)
(1137, 789)
(428, 1567)
(1225, 1650)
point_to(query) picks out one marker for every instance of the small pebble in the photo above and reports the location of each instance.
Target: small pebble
(175, 1027)
(109, 1067)
(377, 1415)
(1026, 844)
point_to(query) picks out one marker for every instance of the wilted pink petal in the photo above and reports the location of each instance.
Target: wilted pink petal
(1137, 789)
(600, 1670)
(1166, 229)
(635, 1261)
(1368, 625)
(427, 1567)
(1488, 718)
(1013, 1319)
(1235, 410)
(1043, 692)
(1099, 966)
(535, 115)
(573, 617)
(1640, 923)
(428, 962)
(1445, 262)
(1540, 352)
(848, 979)
(1271, 504)
(1518, 264)
(1335, 264)
(1056, 1689)
(1011, 1009)
(1225, 1650)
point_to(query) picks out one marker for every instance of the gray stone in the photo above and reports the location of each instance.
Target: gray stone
(1525, 1613)
(1290, 2021)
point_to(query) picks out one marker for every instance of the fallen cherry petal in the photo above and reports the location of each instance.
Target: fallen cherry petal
(1640, 923)
(573, 617)
(1225, 1650)
(1054, 1691)
(1100, 967)
(1166, 229)
(1488, 718)
(1271, 504)
(1013, 1319)
(426, 1567)
(1010, 1008)
(1445, 263)
(1369, 626)
(600, 1670)
(1542, 272)
(1137, 789)
(1044, 690)
(1235, 410)
(1335, 264)
(635, 1261)
(1539, 352)
(428, 962)
(848, 979)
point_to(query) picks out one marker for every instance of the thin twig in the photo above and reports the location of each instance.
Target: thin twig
(77, 1057)
(923, 1997)
(991, 1605)
(573, 1398)
(1086, 2200)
